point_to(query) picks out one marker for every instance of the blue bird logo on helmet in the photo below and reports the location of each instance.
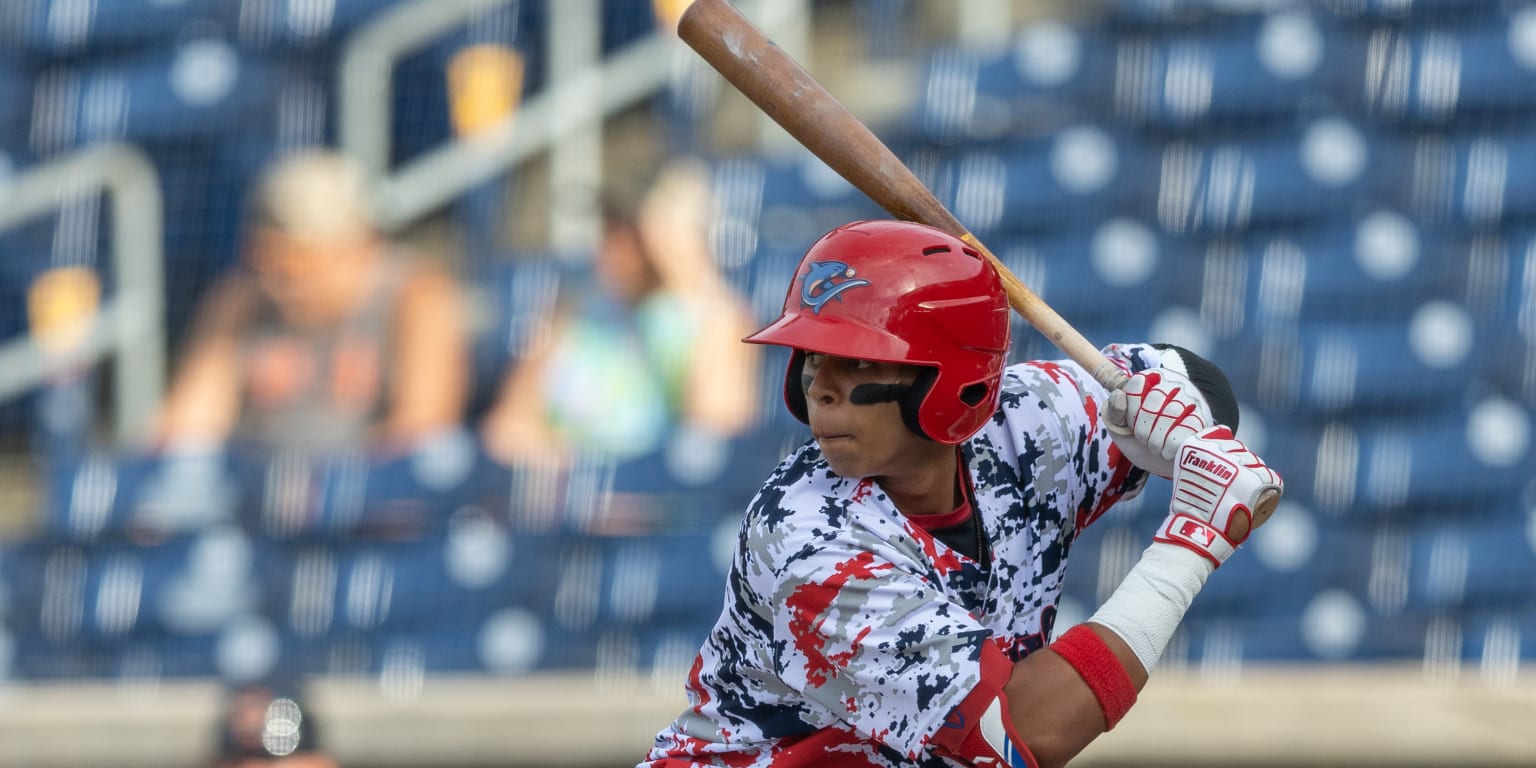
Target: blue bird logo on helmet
(825, 281)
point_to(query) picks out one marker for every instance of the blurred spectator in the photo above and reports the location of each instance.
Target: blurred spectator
(325, 337)
(265, 725)
(648, 349)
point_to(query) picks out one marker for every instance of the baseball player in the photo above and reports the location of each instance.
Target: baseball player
(894, 585)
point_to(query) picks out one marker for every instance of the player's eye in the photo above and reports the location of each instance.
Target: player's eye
(813, 360)
(863, 364)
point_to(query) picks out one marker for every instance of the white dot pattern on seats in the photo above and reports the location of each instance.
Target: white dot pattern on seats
(1048, 53)
(1083, 159)
(1288, 541)
(1386, 245)
(1333, 152)
(511, 641)
(1499, 432)
(248, 649)
(1290, 45)
(1440, 334)
(442, 461)
(1522, 37)
(1182, 326)
(1124, 252)
(1332, 625)
(204, 72)
(476, 551)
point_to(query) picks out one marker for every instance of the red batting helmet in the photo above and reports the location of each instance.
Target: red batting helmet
(899, 292)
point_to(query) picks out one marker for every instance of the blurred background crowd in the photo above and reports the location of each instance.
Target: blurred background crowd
(357, 351)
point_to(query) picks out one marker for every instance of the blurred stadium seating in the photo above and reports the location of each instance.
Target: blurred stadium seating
(1333, 200)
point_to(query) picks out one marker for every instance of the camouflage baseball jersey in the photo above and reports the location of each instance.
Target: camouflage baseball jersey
(849, 633)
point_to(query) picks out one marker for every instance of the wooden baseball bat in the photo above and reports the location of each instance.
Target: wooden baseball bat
(788, 94)
(780, 87)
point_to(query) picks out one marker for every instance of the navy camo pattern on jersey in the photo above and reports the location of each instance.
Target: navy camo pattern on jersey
(849, 634)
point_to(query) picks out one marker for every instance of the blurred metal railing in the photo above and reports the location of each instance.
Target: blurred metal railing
(130, 324)
(583, 93)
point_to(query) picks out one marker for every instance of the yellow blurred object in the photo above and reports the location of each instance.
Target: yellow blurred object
(669, 11)
(485, 87)
(61, 305)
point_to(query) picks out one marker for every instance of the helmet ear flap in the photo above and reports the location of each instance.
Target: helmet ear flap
(912, 403)
(794, 387)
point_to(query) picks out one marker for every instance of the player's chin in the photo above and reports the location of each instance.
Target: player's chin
(845, 463)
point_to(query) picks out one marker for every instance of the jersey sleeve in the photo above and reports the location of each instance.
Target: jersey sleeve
(863, 635)
(1098, 472)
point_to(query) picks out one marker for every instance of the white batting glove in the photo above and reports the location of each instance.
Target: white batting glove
(1153, 414)
(1221, 492)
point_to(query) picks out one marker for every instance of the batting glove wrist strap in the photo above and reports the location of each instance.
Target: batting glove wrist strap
(1217, 483)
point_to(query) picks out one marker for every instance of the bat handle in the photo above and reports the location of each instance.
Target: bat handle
(1265, 506)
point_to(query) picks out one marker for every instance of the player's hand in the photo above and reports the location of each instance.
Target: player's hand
(1153, 414)
(1221, 493)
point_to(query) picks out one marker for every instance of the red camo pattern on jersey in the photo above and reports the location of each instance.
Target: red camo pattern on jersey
(849, 634)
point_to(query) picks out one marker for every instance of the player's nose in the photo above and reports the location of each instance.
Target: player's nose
(824, 386)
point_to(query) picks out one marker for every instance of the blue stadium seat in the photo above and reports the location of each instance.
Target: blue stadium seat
(1497, 639)
(373, 586)
(1476, 176)
(1459, 564)
(16, 78)
(1052, 74)
(118, 595)
(305, 26)
(1438, 74)
(1259, 70)
(1501, 279)
(59, 28)
(1445, 459)
(1059, 180)
(1211, 184)
(1119, 271)
(781, 203)
(1358, 369)
(1273, 279)
(199, 89)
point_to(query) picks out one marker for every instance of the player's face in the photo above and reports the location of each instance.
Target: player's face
(861, 440)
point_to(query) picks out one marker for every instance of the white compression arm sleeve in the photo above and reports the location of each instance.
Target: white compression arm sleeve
(1149, 604)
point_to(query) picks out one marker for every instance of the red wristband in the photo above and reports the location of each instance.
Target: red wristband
(1104, 674)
